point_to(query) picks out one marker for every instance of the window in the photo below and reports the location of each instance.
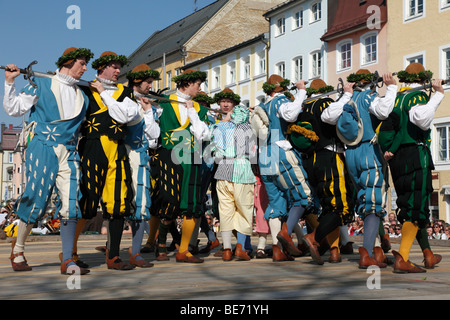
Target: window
(298, 19)
(445, 63)
(413, 9)
(281, 69)
(216, 78)
(281, 26)
(369, 48)
(169, 79)
(442, 145)
(246, 68)
(231, 68)
(444, 5)
(297, 64)
(416, 59)
(11, 157)
(261, 62)
(316, 64)
(316, 12)
(344, 55)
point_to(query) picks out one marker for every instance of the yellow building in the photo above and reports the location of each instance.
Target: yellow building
(417, 33)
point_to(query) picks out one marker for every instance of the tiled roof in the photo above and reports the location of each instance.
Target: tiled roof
(346, 15)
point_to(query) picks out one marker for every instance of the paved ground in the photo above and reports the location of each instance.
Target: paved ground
(215, 280)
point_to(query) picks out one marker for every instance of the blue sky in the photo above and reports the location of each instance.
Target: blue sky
(37, 30)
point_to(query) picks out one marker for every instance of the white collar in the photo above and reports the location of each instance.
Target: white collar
(65, 79)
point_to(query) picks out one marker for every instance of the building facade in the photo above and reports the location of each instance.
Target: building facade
(356, 38)
(11, 163)
(296, 50)
(416, 33)
(241, 68)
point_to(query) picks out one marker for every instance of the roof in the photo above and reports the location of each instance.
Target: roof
(262, 37)
(345, 16)
(173, 37)
(281, 6)
(10, 136)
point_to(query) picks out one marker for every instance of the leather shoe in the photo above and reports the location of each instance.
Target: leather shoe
(379, 256)
(385, 243)
(141, 263)
(183, 257)
(286, 241)
(227, 256)
(209, 246)
(18, 266)
(241, 254)
(65, 271)
(279, 255)
(431, 259)
(116, 263)
(402, 266)
(335, 256)
(313, 248)
(366, 261)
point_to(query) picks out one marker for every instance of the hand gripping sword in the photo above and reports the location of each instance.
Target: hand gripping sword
(28, 72)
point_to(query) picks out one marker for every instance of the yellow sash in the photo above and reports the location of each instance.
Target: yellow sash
(99, 101)
(176, 109)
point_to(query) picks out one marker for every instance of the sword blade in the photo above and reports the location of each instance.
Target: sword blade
(156, 97)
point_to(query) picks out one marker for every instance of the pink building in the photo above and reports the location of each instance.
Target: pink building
(356, 38)
(11, 163)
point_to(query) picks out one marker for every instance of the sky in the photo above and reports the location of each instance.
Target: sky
(42, 29)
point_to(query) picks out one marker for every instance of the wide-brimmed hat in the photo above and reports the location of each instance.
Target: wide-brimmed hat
(275, 83)
(108, 57)
(318, 86)
(72, 53)
(363, 76)
(227, 93)
(189, 75)
(414, 73)
(142, 72)
(203, 99)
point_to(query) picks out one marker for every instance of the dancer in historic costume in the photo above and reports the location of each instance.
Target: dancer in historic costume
(280, 165)
(57, 107)
(178, 161)
(208, 183)
(405, 139)
(328, 176)
(234, 149)
(357, 115)
(142, 133)
(106, 173)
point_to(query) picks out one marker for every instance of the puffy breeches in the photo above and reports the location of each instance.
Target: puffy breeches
(50, 169)
(106, 175)
(236, 203)
(411, 170)
(141, 184)
(366, 167)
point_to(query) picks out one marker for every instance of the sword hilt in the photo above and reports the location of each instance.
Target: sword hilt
(27, 72)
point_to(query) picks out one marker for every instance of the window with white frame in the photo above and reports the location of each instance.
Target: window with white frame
(261, 62)
(297, 65)
(369, 48)
(298, 19)
(444, 4)
(11, 157)
(216, 78)
(316, 12)
(281, 69)
(169, 79)
(281, 26)
(414, 8)
(231, 72)
(344, 55)
(245, 68)
(445, 62)
(442, 143)
(414, 59)
(316, 64)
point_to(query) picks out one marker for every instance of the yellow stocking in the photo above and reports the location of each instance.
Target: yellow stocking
(409, 232)
(186, 232)
(333, 238)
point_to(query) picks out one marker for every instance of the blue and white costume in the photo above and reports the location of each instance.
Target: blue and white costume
(142, 134)
(57, 108)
